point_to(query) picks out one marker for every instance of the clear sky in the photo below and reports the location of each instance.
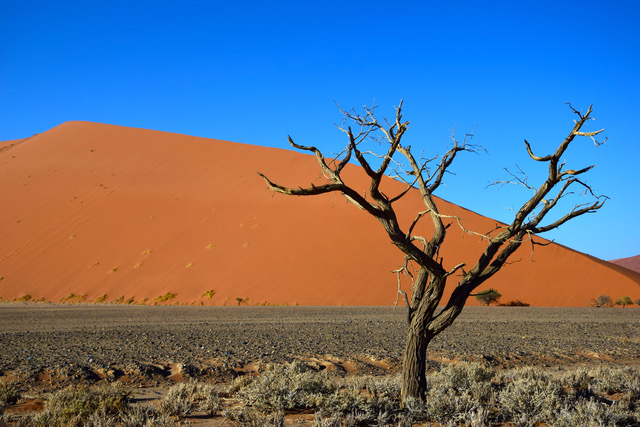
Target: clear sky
(254, 72)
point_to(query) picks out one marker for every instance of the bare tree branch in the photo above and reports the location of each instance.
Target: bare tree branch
(500, 243)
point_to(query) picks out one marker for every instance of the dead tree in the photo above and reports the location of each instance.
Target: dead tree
(422, 252)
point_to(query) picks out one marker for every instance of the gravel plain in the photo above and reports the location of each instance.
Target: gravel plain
(48, 346)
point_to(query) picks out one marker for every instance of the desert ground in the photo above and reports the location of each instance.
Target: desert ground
(46, 347)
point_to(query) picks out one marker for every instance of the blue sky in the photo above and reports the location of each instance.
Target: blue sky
(254, 72)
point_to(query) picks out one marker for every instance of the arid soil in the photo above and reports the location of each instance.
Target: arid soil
(46, 346)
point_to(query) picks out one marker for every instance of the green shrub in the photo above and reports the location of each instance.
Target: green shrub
(624, 301)
(488, 296)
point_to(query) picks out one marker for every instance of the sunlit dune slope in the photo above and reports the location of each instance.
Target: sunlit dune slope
(91, 209)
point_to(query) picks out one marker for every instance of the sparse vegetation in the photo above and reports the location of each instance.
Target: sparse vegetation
(9, 394)
(101, 406)
(209, 294)
(190, 397)
(602, 301)
(289, 387)
(119, 300)
(488, 296)
(514, 303)
(166, 297)
(130, 300)
(624, 301)
(636, 301)
(73, 298)
(468, 394)
(242, 301)
(75, 405)
(460, 394)
(101, 298)
(24, 298)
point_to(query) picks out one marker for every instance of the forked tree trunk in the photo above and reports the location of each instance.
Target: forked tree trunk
(414, 379)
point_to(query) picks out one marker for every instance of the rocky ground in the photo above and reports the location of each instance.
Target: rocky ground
(47, 346)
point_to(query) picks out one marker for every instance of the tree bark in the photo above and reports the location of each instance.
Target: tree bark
(414, 366)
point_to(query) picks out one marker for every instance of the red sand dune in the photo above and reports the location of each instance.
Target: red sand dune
(93, 209)
(632, 263)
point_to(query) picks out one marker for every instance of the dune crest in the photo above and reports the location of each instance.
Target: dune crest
(94, 211)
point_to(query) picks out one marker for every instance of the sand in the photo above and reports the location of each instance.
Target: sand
(92, 210)
(632, 263)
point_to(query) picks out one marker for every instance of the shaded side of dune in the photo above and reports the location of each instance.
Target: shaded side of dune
(630, 263)
(93, 211)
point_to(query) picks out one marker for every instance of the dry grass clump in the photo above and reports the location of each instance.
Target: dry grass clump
(285, 387)
(101, 406)
(466, 394)
(73, 299)
(166, 297)
(76, 405)
(530, 397)
(9, 394)
(461, 394)
(209, 294)
(252, 418)
(296, 387)
(190, 397)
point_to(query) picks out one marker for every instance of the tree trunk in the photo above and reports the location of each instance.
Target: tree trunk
(414, 365)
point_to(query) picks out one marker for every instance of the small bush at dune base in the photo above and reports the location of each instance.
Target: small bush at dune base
(166, 297)
(602, 301)
(514, 303)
